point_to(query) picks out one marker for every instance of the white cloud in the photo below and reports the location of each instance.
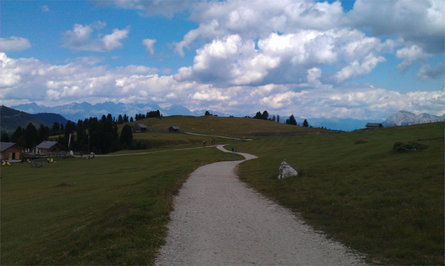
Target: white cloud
(152, 7)
(14, 43)
(81, 79)
(210, 95)
(302, 34)
(44, 8)
(418, 22)
(410, 55)
(149, 45)
(356, 68)
(218, 19)
(112, 41)
(428, 72)
(284, 58)
(80, 38)
(28, 79)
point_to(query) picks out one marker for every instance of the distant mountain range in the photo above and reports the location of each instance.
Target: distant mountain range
(76, 111)
(11, 119)
(404, 118)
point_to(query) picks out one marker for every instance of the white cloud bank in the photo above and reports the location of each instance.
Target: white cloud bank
(27, 79)
(284, 58)
(312, 34)
(287, 56)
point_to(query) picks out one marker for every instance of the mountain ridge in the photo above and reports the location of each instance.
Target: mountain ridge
(12, 118)
(80, 111)
(404, 118)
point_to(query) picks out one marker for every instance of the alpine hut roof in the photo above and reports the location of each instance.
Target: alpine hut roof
(6, 145)
(46, 144)
(140, 125)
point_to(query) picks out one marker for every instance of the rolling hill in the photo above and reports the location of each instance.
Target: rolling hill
(228, 126)
(11, 119)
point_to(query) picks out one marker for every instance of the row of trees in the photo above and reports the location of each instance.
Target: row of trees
(290, 121)
(125, 119)
(88, 135)
(29, 136)
(265, 116)
(96, 135)
(151, 114)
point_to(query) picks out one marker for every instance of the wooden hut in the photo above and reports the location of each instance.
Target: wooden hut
(47, 147)
(373, 125)
(10, 151)
(139, 128)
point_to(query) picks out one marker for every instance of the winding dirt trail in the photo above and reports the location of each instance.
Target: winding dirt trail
(218, 220)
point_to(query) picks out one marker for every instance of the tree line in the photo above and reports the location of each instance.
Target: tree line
(290, 121)
(88, 135)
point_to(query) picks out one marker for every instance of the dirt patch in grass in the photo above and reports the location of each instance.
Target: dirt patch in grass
(409, 146)
(63, 184)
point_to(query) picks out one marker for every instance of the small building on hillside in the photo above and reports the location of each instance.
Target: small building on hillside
(10, 151)
(373, 125)
(139, 128)
(47, 147)
(173, 129)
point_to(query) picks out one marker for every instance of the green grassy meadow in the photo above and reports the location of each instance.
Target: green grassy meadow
(154, 140)
(110, 210)
(386, 204)
(227, 126)
(353, 186)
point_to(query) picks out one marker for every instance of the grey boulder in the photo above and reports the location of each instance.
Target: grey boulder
(286, 171)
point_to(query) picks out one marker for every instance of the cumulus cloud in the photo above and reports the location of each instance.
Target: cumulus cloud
(113, 40)
(152, 7)
(241, 17)
(149, 45)
(410, 55)
(357, 68)
(28, 79)
(80, 79)
(284, 58)
(428, 72)
(299, 35)
(14, 43)
(287, 56)
(80, 38)
(418, 22)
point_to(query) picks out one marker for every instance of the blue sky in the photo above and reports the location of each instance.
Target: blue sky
(349, 59)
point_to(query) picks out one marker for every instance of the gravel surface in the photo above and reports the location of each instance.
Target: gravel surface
(218, 220)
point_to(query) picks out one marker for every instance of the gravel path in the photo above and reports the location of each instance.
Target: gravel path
(218, 220)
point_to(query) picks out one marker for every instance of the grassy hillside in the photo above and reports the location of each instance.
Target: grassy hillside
(227, 126)
(358, 190)
(11, 119)
(164, 139)
(104, 211)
